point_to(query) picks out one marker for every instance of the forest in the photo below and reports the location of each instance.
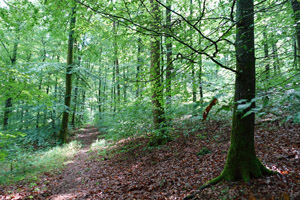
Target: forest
(150, 99)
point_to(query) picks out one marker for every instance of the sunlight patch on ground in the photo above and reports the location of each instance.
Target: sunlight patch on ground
(99, 144)
(65, 196)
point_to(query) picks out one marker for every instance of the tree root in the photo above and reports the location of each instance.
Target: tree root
(206, 185)
(218, 179)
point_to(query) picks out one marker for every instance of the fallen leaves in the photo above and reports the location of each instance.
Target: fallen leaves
(174, 170)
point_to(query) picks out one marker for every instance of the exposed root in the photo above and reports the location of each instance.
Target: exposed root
(206, 185)
(245, 176)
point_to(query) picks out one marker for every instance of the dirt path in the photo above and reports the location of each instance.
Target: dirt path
(72, 175)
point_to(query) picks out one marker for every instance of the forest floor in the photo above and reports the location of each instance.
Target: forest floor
(131, 170)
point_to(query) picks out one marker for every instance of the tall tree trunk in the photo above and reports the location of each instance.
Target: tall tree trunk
(157, 91)
(241, 162)
(200, 61)
(116, 62)
(296, 9)
(8, 102)
(170, 66)
(138, 67)
(276, 58)
(64, 124)
(266, 51)
(38, 114)
(73, 122)
(125, 72)
(162, 63)
(194, 88)
(81, 117)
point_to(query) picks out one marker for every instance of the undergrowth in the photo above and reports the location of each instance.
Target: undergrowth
(26, 166)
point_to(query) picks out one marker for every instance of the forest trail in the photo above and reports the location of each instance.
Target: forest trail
(72, 175)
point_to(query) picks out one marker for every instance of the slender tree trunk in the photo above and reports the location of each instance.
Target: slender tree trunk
(200, 61)
(276, 58)
(81, 117)
(64, 125)
(162, 63)
(170, 66)
(138, 66)
(100, 86)
(116, 63)
(194, 88)
(73, 122)
(296, 9)
(266, 51)
(295, 53)
(38, 113)
(125, 83)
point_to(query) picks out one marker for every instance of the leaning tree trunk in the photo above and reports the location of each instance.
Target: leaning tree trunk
(64, 125)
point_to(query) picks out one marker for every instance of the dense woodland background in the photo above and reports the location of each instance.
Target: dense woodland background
(141, 69)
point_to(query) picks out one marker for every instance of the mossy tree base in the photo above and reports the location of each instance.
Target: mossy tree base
(255, 169)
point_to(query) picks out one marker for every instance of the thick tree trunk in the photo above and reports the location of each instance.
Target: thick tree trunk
(242, 162)
(296, 9)
(157, 91)
(64, 125)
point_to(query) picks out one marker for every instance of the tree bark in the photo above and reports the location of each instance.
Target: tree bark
(157, 91)
(138, 67)
(64, 125)
(8, 102)
(242, 162)
(170, 66)
(266, 51)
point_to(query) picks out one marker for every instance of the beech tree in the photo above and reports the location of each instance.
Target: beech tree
(157, 89)
(65, 120)
(242, 162)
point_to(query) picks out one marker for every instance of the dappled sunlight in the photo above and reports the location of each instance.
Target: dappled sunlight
(65, 196)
